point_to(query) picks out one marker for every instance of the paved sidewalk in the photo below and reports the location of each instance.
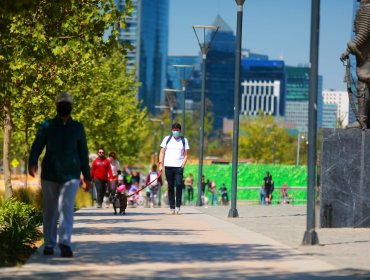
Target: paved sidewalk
(148, 243)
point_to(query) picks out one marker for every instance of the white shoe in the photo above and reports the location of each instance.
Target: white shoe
(177, 210)
(172, 211)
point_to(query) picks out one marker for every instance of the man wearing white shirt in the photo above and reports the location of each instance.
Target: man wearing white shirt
(173, 157)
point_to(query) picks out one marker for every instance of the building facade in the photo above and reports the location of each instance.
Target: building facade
(260, 96)
(268, 78)
(297, 97)
(341, 102)
(147, 32)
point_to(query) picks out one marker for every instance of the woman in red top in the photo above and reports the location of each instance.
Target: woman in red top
(100, 172)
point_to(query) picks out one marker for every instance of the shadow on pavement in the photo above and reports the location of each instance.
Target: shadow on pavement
(131, 230)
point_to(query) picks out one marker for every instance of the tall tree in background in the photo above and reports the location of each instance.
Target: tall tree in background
(46, 46)
(107, 105)
(262, 140)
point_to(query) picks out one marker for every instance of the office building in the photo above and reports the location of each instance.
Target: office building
(297, 97)
(147, 32)
(341, 102)
(263, 77)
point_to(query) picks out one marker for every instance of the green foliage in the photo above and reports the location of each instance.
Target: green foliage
(262, 140)
(18, 229)
(51, 46)
(107, 105)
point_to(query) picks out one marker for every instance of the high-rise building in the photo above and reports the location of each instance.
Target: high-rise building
(297, 97)
(259, 72)
(329, 115)
(340, 99)
(260, 96)
(147, 31)
(220, 72)
(220, 75)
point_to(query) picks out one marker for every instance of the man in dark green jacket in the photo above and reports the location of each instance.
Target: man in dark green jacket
(65, 158)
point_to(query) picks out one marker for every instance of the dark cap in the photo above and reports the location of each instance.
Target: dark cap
(64, 97)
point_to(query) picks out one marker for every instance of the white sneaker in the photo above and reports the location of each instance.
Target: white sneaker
(177, 210)
(172, 211)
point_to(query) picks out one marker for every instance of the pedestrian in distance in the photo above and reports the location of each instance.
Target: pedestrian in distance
(224, 195)
(268, 184)
(65, 158)
(100, 172)
(189, 182)
(154, 182)
(212, 190)
(115, 166)
(284, 193)
(173, 157)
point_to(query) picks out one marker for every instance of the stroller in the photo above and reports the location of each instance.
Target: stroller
(134, 199)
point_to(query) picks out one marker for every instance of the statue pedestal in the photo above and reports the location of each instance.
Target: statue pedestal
(345, 178)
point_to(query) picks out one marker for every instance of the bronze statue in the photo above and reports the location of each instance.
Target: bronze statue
(360, 47)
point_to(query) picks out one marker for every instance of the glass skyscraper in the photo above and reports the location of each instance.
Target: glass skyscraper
(220, 72)
(147, 31)
(297, 97)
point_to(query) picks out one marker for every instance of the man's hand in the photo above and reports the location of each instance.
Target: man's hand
(32, 170)
(160, 166)
(88, 186)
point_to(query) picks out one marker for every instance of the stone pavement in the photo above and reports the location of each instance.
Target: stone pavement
(202, 243)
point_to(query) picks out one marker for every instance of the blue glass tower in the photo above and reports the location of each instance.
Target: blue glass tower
(220, 72)
(147, 31)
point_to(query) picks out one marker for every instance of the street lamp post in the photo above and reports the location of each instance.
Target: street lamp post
(162, 125)
(298, 147)
(233, 212)
(204, 45)
(172, 101)
(310, 236)
(155, 147)
(183, 72)
(299, 141)
(171, 113)
(162, 135)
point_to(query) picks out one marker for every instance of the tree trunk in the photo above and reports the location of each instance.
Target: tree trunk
(25, 159)
(6, 149)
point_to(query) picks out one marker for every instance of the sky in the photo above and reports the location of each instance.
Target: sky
(277, 28)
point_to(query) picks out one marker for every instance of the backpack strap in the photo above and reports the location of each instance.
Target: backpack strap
(168, 140)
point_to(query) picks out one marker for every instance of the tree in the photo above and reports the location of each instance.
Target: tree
(44, 47)
(106, 103)
(262, 140)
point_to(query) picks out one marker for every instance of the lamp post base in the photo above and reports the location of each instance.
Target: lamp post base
(310, 238)
(233, 213)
